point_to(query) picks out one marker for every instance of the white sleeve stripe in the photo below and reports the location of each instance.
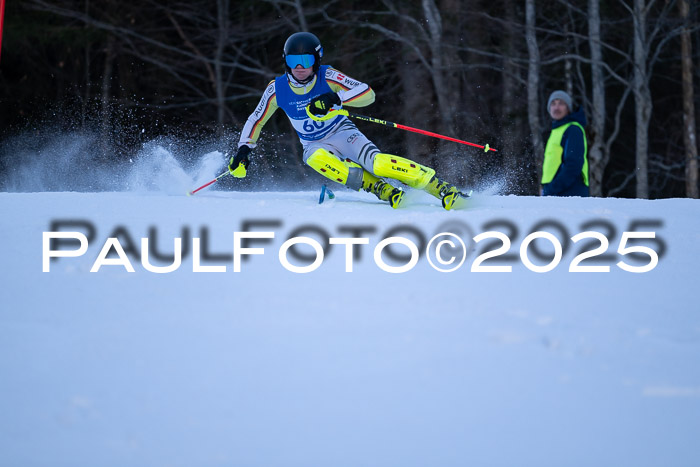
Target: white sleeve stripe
(352, 93)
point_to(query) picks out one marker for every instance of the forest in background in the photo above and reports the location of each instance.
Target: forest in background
(472, 69)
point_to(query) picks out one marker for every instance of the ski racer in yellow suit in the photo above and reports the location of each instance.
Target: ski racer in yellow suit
(333, 147)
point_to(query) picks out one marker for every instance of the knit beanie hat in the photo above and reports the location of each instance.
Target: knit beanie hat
(560, 95)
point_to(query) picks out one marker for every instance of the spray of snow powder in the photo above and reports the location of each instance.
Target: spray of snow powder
(51, 159)
(79, 161)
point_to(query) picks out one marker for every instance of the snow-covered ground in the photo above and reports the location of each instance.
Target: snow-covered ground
(270, 367)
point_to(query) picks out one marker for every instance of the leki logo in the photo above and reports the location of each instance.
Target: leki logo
(399, 169)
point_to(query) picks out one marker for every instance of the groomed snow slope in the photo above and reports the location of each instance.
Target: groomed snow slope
(269, 367)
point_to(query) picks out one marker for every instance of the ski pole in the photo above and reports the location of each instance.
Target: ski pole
(190, 193)
(333, 113)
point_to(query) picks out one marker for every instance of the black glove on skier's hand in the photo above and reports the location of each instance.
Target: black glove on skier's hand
(322, 104)
(238, 164)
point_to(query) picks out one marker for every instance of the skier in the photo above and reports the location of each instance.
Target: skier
(334, 147)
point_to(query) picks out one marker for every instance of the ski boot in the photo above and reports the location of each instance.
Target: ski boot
(353, 176)
(454, 199)
(451, 197)
(382, 189)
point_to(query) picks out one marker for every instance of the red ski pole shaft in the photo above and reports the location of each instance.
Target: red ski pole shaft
(333, 113)
(416, 130)
(207, 184)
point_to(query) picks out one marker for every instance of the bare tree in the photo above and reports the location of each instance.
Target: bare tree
(421, 36)
(597, 159)
(513, 116)
(642, 97)
(689, 135)
(222, 15)
(413, 85)
(440, 71)
(533, 76)
(647, 45)
(201, 64)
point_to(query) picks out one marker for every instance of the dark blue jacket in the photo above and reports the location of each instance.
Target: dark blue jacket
(568, 180)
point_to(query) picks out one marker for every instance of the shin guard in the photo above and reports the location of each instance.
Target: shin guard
(404, 170)
(328, 165)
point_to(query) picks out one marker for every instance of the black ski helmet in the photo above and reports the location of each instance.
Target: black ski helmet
(303, 43)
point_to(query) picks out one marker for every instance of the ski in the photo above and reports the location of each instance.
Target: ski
(452, 201)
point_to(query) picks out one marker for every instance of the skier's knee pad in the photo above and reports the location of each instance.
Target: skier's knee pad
(327, 164)
(404, 170)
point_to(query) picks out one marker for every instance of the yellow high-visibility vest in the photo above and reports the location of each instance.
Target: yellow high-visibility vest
(554, 151)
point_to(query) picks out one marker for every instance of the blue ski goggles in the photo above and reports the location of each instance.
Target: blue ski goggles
(306, 60)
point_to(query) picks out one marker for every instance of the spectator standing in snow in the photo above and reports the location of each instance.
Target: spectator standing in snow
(565, 166)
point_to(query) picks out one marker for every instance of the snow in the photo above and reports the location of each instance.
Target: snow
(270, 367)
